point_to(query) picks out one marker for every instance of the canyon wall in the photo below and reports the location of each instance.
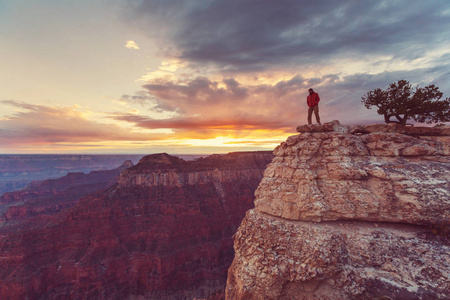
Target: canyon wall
(358, 212)
(163, 230)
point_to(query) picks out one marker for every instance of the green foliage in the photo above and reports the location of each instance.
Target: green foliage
(402, 101)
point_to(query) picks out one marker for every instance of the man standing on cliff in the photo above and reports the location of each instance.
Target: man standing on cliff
(313, 105)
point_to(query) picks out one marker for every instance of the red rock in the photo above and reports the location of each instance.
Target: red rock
(164, 230)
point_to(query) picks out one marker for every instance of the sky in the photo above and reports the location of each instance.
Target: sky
(200, 77)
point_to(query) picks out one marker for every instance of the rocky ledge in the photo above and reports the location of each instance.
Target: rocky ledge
(347, 212)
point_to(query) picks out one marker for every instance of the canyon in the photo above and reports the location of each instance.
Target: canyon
(18, 170)
(335, 212)
(50, 196)
(160, 229)
(349, 212)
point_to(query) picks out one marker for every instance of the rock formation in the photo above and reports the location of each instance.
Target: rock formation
(358, 212)
(162, 231)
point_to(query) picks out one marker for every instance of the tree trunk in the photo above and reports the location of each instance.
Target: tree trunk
(386, 118)
(401, 120)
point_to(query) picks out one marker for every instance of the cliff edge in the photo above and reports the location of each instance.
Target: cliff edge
(349, 212)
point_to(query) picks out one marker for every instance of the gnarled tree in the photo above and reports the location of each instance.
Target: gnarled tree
(402, 101)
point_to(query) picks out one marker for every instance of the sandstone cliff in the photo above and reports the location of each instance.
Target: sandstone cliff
(163, 231)
(349, 213)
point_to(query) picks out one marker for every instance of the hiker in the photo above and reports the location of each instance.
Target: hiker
(313, 105)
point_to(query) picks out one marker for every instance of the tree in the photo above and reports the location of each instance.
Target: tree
(402, 101)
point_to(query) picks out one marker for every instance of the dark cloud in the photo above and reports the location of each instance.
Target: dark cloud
(243, 35)
(146, 99)
(195, 93)
(141, 97)
(239, 38)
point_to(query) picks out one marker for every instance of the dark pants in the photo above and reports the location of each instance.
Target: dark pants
(316, 112)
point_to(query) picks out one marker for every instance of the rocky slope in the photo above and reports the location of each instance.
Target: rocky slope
(342, 212)
(50, 196)
(163, 231)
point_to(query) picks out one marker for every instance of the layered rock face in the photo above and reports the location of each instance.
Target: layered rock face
(163, 231)
(349, 213)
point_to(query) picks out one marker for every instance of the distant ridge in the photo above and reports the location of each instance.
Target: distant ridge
(18, 170)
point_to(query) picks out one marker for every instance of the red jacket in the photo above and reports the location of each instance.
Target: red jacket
(313, 99)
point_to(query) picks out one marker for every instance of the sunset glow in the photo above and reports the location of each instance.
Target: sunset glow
(202, 77)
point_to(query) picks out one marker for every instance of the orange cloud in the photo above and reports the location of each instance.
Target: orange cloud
(39, 124)
(47, 129)
(198, 123)
(220, 106)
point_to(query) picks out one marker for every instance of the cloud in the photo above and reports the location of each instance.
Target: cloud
(39, 124)
(228, 105)
(140, 97)
(248, 64)
(233, 67)
(204, 103)
(255, 35)
(200, 123)
(132, 45)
